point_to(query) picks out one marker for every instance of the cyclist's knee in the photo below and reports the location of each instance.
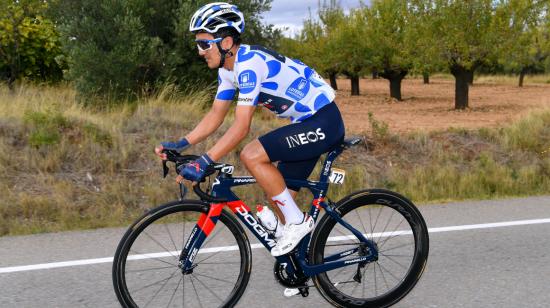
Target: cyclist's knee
(253, 153)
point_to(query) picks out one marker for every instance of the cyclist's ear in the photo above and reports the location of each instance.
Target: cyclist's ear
(227, 42)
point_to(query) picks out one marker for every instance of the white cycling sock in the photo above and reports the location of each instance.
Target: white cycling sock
(289, 208)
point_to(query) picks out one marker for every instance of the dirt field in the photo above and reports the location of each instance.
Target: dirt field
(431, 107)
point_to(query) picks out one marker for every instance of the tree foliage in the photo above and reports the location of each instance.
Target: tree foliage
(126, 48)
(29, 43)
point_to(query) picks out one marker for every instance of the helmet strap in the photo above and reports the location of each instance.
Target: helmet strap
(224, 53)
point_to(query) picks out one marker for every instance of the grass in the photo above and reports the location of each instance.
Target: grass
(500, 79)
(64, 167)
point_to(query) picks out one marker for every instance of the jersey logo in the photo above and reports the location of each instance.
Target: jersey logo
(305, 138)
(247, 81)
(298, 89)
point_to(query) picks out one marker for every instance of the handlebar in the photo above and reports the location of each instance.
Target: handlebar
(182, 160)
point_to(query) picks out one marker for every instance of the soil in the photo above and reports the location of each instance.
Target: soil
(429, 107)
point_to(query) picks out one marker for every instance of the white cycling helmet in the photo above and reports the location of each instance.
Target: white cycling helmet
(215, 16)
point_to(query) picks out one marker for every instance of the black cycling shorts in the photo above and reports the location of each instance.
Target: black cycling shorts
(298, 146)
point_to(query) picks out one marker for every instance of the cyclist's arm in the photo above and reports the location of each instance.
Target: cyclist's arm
(235, 134)
(210, 122)
(214, 118)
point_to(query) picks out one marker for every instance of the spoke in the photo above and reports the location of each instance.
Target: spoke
(339, 231)
(158, 291)
(343, 244)
(201, 261)
(219, 229)
(375, 283)
(386, 226)
(158, 243)
(363, 275)
(361, 220)
(149, 269)
(384, 278)
(219, 279)
(376, 221)
(389, 272)
(171, 238)
(391, 259)
(220, 263)
(394, 236)
(194, 288)
(151, 258)
(207, 288)
(154, 283)
(395, 247)
(174, 293)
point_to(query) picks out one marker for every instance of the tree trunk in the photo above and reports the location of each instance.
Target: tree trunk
(354, 85)
(426, 77)
(471, 77)
(522, 76)
(395, 77)
(374, 74)
(333, 83)
(462, 79)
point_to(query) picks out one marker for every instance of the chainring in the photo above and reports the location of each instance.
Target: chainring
(289, 281)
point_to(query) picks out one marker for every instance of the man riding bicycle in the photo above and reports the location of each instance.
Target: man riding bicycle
(287, 87)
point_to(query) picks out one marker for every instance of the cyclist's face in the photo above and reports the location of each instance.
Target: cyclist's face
(212, 54)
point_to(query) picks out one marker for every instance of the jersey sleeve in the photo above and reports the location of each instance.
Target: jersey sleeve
(251, 74)
(226, 89)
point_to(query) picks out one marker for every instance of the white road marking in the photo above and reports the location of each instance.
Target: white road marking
(42, 266)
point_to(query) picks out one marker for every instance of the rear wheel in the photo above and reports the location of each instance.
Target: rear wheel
(400, 234)
(146, 271)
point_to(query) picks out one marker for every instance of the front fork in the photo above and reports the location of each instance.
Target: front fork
(203, 228)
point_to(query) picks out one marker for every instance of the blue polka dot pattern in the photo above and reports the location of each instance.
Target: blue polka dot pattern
(285, 86)
(270, 85)
(308, 72)
(244, 56)
(301, 108)
(294, 69)
(274, 68)
(321, 101)
(226, 95)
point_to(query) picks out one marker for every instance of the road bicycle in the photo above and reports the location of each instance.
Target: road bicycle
(368, 249)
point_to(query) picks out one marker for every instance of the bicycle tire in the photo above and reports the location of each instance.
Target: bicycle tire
(165, 213)
(382, 201)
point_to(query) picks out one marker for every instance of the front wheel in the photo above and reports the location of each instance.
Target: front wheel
(399, 234)
(146, 269)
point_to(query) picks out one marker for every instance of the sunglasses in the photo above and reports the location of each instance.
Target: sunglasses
(204, 45)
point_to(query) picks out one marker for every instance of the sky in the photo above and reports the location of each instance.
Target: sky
(291, 13)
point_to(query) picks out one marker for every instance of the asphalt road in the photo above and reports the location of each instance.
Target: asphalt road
(475, 266)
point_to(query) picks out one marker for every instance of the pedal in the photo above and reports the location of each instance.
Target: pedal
(304, 291)
(289, 292)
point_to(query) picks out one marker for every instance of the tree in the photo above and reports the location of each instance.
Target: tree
(351, 52)
(126, 48)
(390, 38)
(464, 32)
(424, 51)
(520, 24)
(29, 42)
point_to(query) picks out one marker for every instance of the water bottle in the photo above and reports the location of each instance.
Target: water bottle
(268, 219)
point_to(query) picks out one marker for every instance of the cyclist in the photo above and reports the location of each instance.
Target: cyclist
(287, 87)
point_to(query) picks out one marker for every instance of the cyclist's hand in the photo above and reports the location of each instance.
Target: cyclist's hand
(195, 171)
(168, 145)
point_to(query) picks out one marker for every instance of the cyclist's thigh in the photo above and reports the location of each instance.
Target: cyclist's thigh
(306, 140)
(297, 170)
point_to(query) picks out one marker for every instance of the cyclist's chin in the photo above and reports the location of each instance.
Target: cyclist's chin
(212, 63)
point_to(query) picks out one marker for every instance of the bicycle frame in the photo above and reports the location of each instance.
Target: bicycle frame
(222, 188)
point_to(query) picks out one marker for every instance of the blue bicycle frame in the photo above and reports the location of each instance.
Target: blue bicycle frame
(222, 188)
